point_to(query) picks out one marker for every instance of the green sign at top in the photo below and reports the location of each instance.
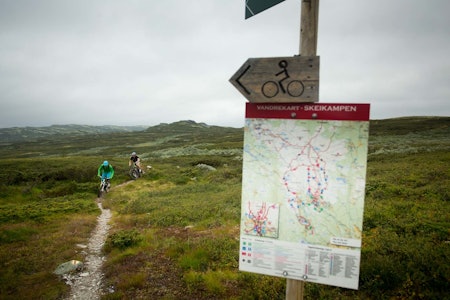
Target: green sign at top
(253, 7)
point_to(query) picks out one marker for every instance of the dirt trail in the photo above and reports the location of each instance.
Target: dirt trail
(87, 284)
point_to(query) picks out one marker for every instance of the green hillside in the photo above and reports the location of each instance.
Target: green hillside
(153, 141)
(175, 231)
(408, 125)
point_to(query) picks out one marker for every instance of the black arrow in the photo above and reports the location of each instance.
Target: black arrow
(240, 84)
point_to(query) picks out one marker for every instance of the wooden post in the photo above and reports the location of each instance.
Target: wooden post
(308, 47)
(294, 289)
(309, 27)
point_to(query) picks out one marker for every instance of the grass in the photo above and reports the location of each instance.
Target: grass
(407, 220)
(30, 251)
(175, 232)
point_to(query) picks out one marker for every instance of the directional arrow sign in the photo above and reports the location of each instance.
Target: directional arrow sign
(253, 7)
(279, 79)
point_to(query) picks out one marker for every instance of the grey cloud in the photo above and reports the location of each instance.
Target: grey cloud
(66, 61)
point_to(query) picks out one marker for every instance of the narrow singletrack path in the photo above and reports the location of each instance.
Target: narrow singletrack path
(87, 285)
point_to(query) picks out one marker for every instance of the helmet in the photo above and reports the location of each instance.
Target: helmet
(105, 163)
(133, 154)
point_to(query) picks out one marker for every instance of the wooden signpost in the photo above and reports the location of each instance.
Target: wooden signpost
(279, 79)
(309, 25)
(284, 79)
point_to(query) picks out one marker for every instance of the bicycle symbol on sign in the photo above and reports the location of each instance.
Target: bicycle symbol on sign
(294, 88)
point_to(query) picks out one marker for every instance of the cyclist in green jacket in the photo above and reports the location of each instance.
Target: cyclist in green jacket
(105, 171)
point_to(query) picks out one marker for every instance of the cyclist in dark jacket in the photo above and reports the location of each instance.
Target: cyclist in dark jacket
(134, 159)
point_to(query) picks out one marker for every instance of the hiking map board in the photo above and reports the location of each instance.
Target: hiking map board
(303, 183)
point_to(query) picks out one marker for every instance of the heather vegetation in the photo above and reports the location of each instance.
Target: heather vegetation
(175, 231)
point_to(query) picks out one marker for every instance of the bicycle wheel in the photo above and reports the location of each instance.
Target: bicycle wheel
(101, 190)
(104, 187)
(134, 173)
(270, 89)
(295, 88)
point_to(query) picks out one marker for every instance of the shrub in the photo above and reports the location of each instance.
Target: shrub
(123, 239)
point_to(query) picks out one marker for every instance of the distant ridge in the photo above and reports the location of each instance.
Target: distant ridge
(179, 124)
(401, 125)
(185, 126)
(29, 134)
(18, 134)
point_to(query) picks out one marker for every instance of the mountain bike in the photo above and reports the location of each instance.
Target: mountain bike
(134, 172)
(105, 185)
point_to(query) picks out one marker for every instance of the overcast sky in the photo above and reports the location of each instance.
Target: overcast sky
(144, 62)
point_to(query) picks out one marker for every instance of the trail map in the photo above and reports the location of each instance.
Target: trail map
(303, 192)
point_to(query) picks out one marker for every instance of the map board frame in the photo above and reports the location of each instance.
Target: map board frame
(303, 187)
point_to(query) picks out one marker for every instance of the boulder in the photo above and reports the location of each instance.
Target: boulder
(206, 167)
(68, 267)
